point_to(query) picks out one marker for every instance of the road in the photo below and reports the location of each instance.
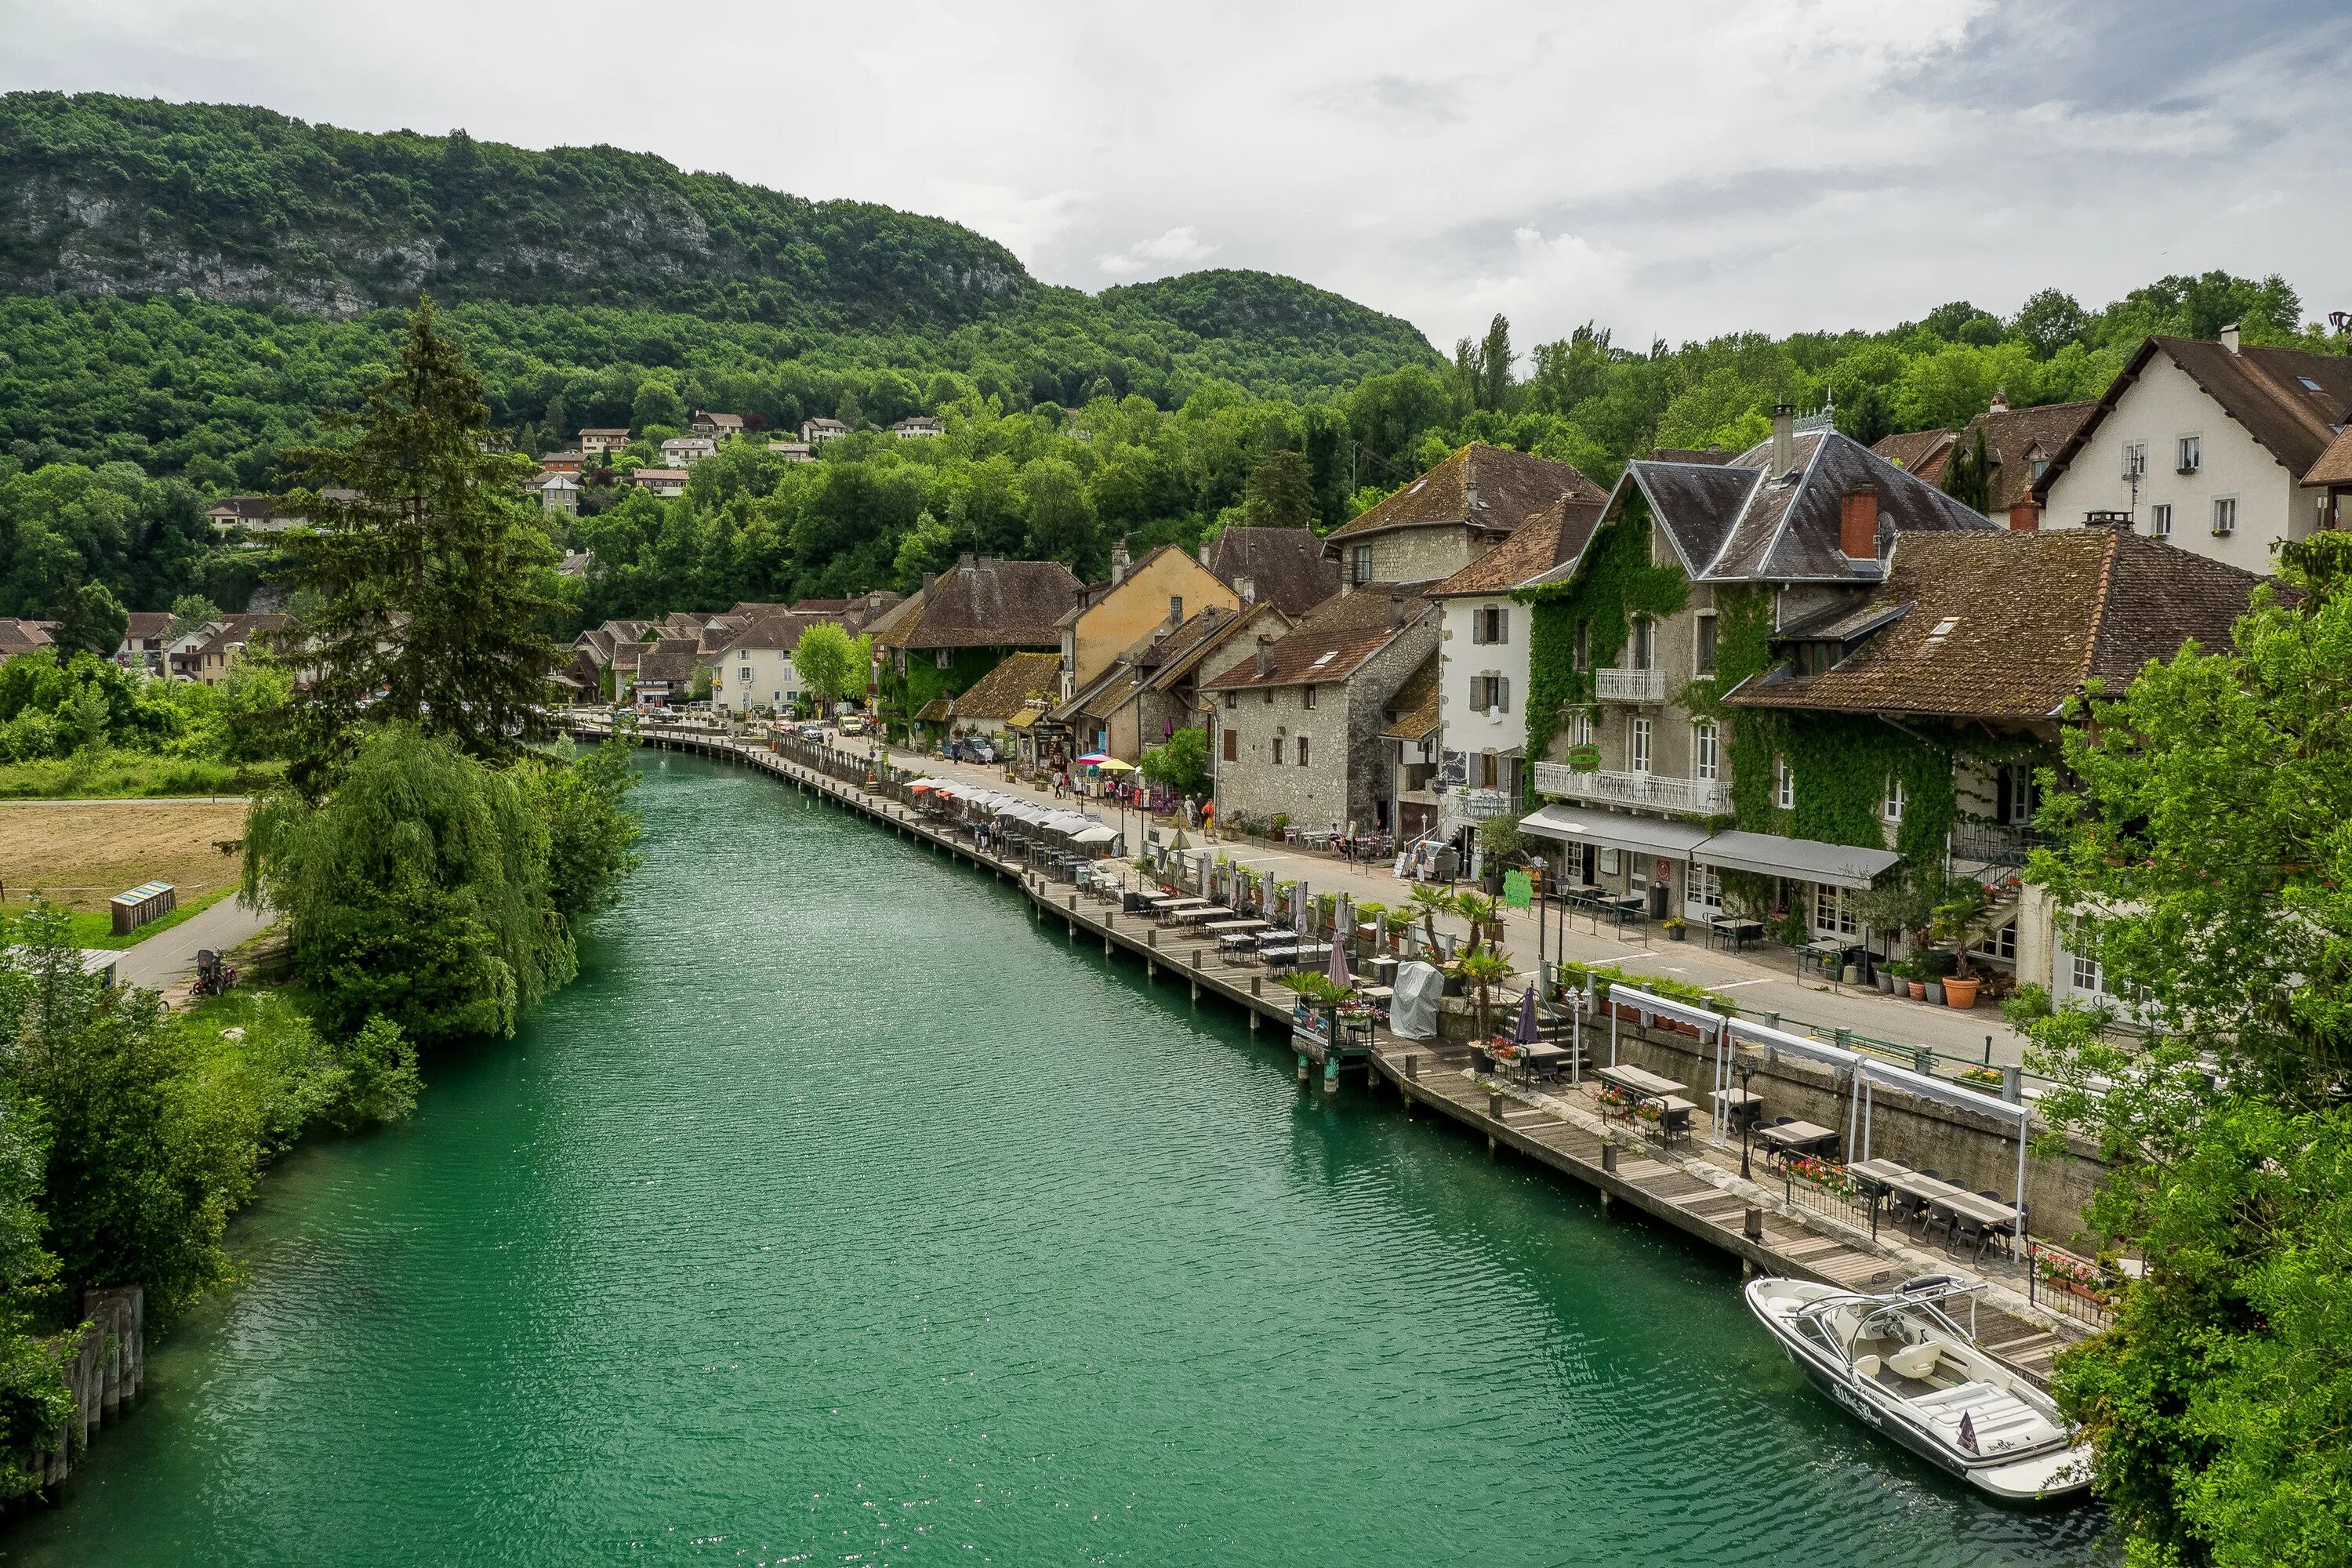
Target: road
(162, 961)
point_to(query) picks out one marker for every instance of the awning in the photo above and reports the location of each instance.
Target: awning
(1804, 859)
(1644, 835)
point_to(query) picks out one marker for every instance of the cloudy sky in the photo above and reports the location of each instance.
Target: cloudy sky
(1664, 167)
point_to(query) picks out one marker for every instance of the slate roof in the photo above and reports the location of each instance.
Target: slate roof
(1484, 487)
(1553, 538)
(1285, 567)
(148, 624)
(2033, 616)
(984, 603)
(1416, 705)
(1925, 453)
(672, 659)
(2261, 389)
(1328, 645)
(1004, 690)
(2013, 438)
(243, 628)
(2335, 465)
(1690, 455)
(1736, 523)
(776, 629)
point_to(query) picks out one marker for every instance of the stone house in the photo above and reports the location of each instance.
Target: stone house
(1152, 691)
(1295, 727)
(1668, 603)
(1482, 664)
(2206, 445)
(1160, 590)
(1412, 741)
(1448, 517)
(961, 622)
(662, 675)
(1285, 567)
(1952, 674)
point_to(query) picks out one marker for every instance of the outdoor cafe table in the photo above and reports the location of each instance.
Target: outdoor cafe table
(1890, 1175)
(1739, 933)
(1738, 1102)
(1799, 1138)
(1640, 1081)
(1538, 1054)
(1232, 927)
(1203, 915)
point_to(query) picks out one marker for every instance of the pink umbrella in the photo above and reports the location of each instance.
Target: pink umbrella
(1337, 972)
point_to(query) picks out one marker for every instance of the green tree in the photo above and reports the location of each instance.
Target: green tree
(2049, 320)
(1280, 494)
(1968, 476)
(826, 661)
(2203, 862)
(381, 1079)
(591, 833)
(656, 404)
(1062, 524)
(89, 616)
(432, 612)
(1181, 764)
(190, 611)
(557, 421)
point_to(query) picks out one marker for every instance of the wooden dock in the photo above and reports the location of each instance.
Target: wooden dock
(1745, 1220)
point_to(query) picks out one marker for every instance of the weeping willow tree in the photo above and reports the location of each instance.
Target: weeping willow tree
(420, 891)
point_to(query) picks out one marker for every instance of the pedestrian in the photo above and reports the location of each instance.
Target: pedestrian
(1209, 819)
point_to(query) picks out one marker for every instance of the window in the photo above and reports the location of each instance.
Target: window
(2000, 944)
(1490, 623)
(1489, 775)
(1831, 912)
(1310, 698)
(2014, 800)
(2135, 459)
(2190, 453)
(1232, 700)
(1704, 764)
(1784, 785)
(1302, 750)
(2225, 515)
(745, 673)
(941, 658)
(1584, 645)
(1640, 747)
(2040, 467)
(2087, 973)
(1359, 564)
(1175, 609)
(1707, 888)
(2159, 521)
(1269, 697)
(1705, 664)
(1232, 745)
(1893, 808)
(1580, 728)
(1277, 750)
(1641, 642)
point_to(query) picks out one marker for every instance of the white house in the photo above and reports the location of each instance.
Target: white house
(753, 668)
(661, 482)
(685, 451)
(596, 443)
(922, 425)
(816, 432)
(794, 451)
(2205, 445)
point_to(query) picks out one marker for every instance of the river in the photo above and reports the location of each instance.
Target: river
(840, 1213)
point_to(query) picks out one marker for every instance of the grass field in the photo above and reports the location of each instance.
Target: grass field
(77, 856)
(95, 928)
(121, 775)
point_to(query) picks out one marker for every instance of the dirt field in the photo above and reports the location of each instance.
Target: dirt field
(81, 856)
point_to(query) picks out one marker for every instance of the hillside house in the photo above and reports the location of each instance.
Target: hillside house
(918, 428)
(145, 641)
(715, 427)
(2206, 446)
(557, 492)
(794, 451)
(685, 451)
(211, 651)
(562, 462)
(599, 443)
(817, 432)
(23, 637)
(663, 482)
(1451, 515)
(1296, 725)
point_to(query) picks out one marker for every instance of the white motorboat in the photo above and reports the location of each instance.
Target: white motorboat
(1906, 1369)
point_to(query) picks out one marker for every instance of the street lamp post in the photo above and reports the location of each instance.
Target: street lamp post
(1744, 1064)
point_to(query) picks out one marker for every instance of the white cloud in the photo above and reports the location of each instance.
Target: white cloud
(1670, 168)
(1177, 250)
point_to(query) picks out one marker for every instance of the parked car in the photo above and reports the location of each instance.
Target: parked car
(853, 724)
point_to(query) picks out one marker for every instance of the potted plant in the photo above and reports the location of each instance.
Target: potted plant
(1484, 970)
(1673, 927)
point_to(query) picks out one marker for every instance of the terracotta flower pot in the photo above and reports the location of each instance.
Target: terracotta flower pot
(1919, 990)
(1959, 993)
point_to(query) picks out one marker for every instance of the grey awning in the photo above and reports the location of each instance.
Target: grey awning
(1805, 860)
(1647, 835)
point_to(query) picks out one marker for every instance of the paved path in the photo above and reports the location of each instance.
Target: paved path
(163, 961)
(139, 800)
(1760, 980)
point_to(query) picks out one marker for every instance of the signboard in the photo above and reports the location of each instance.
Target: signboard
(1519, 891)
(1584, 758)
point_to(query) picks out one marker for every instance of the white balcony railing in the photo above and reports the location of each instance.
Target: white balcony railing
(1476, 805)
(1629, 685)
(1700, 797)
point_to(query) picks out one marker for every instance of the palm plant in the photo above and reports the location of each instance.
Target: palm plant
(1486, 971)
(1485, 915)
(1429, 902)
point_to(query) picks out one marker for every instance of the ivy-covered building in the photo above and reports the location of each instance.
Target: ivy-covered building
(961, 622)
(1924, 714)
(1660, 789)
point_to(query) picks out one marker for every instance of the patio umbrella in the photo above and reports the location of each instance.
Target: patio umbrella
(1337, 971)
(1113, 765)
(1096, 759)
(1527, 1033)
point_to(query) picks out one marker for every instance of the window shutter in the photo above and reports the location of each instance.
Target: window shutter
(1232, 745)
(1478, 626)
(2003, 798)
(1477, 694)
(1503, 692)
(1502, 624)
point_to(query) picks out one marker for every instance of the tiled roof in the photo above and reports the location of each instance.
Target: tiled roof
(148, 624)
(935, 712)
(1924, 452)
(774, 629)
(1690, 455)
(1285, 567)
(1416, 705)
(243, 628)
(1553, 538)
(1328, 645)
(1998, 624)
(672, 659)
(1005, 691)
(2262, 389)
(986, 603)
(22, 635)
(2335, 465)
(2015, 437)
(245, 509)
(1735, 522)
(1484, 486)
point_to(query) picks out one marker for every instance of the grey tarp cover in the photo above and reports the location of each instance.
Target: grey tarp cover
(1412, 1011)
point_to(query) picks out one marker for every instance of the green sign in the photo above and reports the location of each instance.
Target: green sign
(1584, 758)
(1518, 889)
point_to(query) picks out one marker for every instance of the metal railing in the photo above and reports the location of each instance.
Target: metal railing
(1629, 685)
(1701, 797)
(1993, 843)
(2058, 1281)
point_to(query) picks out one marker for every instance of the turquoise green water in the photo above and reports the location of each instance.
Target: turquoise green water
(839, 1214)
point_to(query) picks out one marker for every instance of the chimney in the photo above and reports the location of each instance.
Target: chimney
(2230, 337)
(1858, 525)
(931, 580)
(1784, 438)
(1396, 614)
(1247, 587)
(1264, 655)
(1999, 401)
(1118, 561)
(2024, 515)
(964, 559)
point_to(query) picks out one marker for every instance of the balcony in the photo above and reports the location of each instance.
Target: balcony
(1651, 792)
(1995, 844)
(1476, 804)
(1629, 685)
